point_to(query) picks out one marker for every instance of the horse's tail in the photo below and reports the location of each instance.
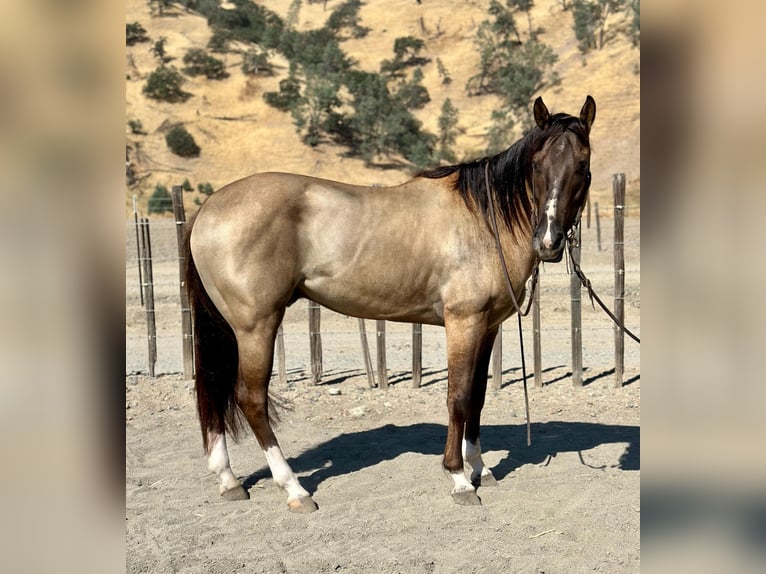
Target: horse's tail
(216, 357)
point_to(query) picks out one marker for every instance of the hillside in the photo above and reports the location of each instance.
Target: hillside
(240, 134)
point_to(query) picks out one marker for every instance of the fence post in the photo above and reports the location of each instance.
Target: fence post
(618, 190)
(417, 354)
(186, 318)
(315, 341)
(380, 327)
(138, 252)
(536, 346)
(598, 227)
(587, 203)
(575, 292)
(146, 261)
(366, 354)
(281, 368)
(497, 360)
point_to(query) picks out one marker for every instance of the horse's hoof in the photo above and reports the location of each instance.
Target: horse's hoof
(466, 498)
(236, 493)
(484, 480)
(302, 505)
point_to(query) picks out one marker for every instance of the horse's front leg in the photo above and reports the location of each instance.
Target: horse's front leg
(466, 339)
(480, 474)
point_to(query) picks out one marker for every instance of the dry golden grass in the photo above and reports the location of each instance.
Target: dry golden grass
(240, 134)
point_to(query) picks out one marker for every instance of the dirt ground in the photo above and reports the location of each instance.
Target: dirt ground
(372, 458)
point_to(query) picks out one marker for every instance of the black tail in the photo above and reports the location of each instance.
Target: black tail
(215, 356)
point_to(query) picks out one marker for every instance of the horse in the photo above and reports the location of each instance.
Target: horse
(421, 252)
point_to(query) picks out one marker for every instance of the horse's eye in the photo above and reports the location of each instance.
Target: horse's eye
(535, 166)
(584, 167)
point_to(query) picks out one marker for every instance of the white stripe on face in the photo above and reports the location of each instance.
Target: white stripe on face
(550, 213)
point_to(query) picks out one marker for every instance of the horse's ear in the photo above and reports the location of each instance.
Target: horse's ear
(588, 113)
(541, 113)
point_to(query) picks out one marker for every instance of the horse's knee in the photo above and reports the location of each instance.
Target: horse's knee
(458, 404)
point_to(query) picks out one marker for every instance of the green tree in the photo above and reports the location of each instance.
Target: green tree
(382, 125)
(200, 63)
(315, 109)
(346, 16)
(413, 94)
(158, 49)
(288, 95)
(495, 40)
(590, 18)
(181, 142)
(255, 62)
(448, 119)
(524, 6)
(164, 84)
(135, 33)
(160, 200)
(406, 53)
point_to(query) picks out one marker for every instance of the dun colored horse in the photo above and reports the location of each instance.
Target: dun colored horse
(423, 252)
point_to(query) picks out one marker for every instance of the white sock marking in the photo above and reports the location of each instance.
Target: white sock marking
(218, 462)
(283, 474)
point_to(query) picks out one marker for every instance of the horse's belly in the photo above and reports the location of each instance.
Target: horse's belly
(385, 298)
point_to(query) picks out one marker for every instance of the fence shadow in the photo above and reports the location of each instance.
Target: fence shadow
(355, 451)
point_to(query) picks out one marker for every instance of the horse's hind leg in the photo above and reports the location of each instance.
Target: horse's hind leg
(218, 463)
(256, 350)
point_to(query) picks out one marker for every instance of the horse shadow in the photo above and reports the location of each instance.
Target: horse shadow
(358, 450)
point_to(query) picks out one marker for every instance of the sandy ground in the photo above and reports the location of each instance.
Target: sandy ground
(371, 458)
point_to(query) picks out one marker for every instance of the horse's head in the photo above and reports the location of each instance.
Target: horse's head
(560, 175)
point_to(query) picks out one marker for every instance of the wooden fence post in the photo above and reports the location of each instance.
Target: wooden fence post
(536, 346)
(417, 354)
(587, 203)
(380, 327)
(186, 318)
(146, 261)
(138, 252)
(497, 360)
(366, 354)
(598, 227)
(280, 347)
(618, 190)
(315, 341)
(575, 294)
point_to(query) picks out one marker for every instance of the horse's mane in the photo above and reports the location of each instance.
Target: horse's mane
(509, 172)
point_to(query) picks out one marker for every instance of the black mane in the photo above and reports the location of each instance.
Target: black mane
(509, 172)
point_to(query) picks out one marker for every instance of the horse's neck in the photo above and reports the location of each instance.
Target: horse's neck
(518, 252)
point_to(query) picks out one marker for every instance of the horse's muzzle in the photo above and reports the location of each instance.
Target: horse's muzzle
(552, 252)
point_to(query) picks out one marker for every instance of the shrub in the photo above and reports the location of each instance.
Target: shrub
(254, 63)
(135, 33)
(164, 84)
(160, 201)
(136, 127)
(181, 142)
(200, 63)
(205, 188)
(186, 185)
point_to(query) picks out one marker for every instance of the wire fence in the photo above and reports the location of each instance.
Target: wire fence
(340, 336)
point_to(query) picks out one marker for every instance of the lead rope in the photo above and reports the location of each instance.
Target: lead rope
(587, 284)
(519, 314)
